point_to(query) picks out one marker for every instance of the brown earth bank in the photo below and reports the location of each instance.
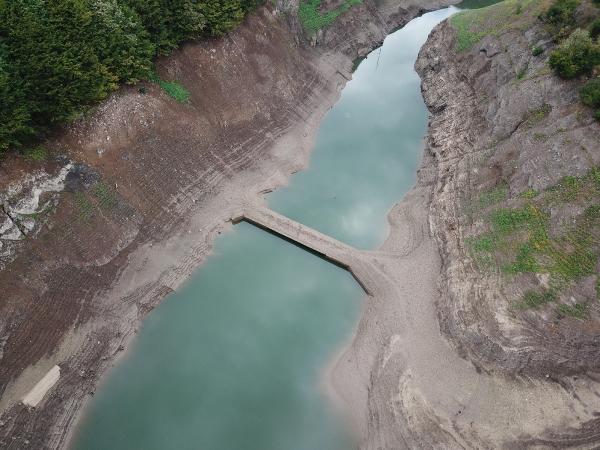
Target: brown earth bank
(94, 239)
(452, 355)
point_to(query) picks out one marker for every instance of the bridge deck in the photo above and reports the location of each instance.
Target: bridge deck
(327, 247)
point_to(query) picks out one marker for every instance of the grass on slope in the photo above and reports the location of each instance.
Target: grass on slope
(37, 153)
(173, 89)
(521, 239)
(313, 19)
(473, 25)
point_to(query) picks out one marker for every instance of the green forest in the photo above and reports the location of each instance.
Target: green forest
(59, 57)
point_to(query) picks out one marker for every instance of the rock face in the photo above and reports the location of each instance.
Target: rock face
(151, 183)
(501, 118)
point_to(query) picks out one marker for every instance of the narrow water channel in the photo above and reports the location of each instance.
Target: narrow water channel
(233, 360)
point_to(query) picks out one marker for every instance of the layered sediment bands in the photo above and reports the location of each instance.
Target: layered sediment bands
(483, 134)
(158, 180)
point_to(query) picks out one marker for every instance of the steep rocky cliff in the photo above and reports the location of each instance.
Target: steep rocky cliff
(510, 173)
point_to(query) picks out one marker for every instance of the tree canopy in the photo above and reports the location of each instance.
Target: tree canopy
(58, 57)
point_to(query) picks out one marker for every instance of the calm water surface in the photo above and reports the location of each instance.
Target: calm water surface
(369, 146)
(232, 361)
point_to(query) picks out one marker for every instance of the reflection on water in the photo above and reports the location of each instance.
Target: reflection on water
(369, 146)
(232, 360)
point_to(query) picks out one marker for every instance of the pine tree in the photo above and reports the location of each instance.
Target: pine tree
(58, 57)
(120, 40)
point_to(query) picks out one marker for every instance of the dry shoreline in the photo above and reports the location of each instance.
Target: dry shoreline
(305, 136)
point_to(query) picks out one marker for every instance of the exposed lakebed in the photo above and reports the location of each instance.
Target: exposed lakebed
(234, 359)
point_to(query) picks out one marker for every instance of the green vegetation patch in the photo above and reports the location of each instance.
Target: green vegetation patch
(519, 239)
(100, 199)
(107, 198)
(473, 25)
(577, 311)
(85, 208)
(590, 95)
(529, 194)
(493, 196)
(532, 299)
(576, 55)
(312, 19)
(38, 153)
(173, 89)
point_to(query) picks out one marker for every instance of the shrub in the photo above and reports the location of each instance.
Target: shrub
(562, 13)
(537, 50)
(576, 55)
(595, 29)
(590, 93)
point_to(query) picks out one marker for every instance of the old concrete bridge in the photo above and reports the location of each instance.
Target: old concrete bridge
(357, 262)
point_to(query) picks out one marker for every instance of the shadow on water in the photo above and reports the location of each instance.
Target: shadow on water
(296, 244)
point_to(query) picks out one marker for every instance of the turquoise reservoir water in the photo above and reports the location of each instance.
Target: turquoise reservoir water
(233, 360)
